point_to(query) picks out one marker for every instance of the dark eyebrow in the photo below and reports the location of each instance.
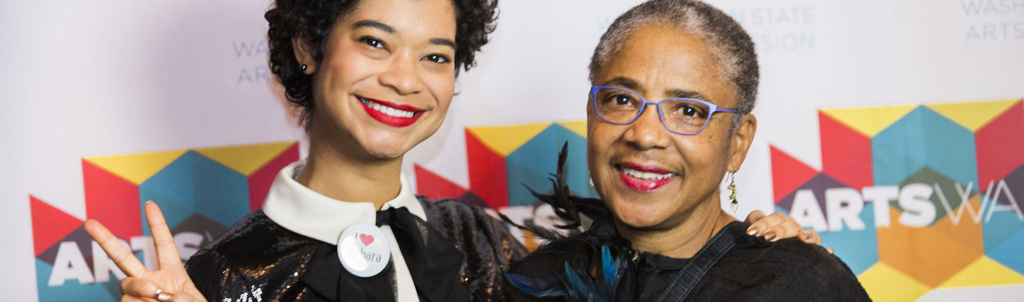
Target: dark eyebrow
(625, 83)
(686, 94)
(391, 30)
(374, 24)
(443, 42)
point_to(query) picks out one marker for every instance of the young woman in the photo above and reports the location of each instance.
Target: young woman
(374, 78)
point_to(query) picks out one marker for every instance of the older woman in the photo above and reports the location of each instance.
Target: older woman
(674, 82)
(374, 78)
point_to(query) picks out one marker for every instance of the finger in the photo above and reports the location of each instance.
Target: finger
(755, 216)
(122, 257)
(752, 219)
(767, 223)
(830, 251)
(138, 288)
(127, 298)
(787, 226)
(757, 223)
(166, 251)
(787, 229)
(810, 236)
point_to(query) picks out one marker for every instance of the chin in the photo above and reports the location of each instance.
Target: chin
(388, 147)
(637, 215)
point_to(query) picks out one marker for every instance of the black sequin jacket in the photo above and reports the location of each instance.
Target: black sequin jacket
(258, 260)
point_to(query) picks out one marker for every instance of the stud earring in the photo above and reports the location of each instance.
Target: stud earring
(733, 204)
(303, 67)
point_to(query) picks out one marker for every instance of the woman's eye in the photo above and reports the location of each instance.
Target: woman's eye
(372, 42)
(691, 111)
(623, 100)
(688, 111)
(440, 59)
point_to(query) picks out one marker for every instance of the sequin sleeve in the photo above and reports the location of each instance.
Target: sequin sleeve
(214, 277)
(486, 242)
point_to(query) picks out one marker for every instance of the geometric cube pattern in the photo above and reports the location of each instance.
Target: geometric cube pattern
(504, 161)
(915, 197)
(202, 192)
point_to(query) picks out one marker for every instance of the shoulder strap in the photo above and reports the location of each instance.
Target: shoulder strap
(684, 281)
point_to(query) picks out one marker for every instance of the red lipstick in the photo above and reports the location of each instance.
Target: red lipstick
(391, 120)
(644, 184)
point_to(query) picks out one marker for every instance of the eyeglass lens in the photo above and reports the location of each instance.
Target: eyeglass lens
(679, 115)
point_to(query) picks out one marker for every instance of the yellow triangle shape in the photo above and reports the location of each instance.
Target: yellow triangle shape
(973, 115)
(245, 159)
(579, 127)
(869, 120)
(505, 139)
(136, 168)
(884, 283)
(983, 271)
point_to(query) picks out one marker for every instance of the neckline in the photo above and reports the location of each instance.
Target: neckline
(306, 212)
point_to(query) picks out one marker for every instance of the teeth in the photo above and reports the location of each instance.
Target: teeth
(647, 175)
(385, 109)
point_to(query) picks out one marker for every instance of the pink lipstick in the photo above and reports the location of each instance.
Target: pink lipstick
(644, 178)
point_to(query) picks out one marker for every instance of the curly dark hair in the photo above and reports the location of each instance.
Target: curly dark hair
(312, 20)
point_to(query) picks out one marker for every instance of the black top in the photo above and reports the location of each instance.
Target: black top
(259, 258)
(757, 270)
(733, 266)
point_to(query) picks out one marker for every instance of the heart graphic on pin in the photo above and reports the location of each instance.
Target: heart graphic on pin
(366, 239)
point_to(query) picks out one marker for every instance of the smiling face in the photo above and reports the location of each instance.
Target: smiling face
(650, 177)
(386, 78)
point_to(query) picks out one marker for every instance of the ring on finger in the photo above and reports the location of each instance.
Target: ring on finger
(162, 296)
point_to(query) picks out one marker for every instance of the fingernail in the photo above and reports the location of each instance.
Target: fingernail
(770, 236)
(830, 251)
(752, 232)
(149, 201)
(805, 234)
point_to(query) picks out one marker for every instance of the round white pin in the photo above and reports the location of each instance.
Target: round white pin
(363, 250)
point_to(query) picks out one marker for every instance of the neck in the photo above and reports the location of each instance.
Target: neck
(684, 239)
(337, 174)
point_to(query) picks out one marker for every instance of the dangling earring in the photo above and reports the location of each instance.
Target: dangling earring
(303, 67)
(732, 186)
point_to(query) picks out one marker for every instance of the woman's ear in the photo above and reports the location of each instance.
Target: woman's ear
(741, 140)
(304, 55)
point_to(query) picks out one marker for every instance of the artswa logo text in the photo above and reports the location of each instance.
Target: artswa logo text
(894, 187)
(202, 192)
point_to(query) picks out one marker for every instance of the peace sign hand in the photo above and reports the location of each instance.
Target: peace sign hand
(168, 283)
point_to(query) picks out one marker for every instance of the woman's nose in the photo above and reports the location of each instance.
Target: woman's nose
(648, 131)
(401, 75)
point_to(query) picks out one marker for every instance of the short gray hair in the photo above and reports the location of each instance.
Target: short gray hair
(730, 45)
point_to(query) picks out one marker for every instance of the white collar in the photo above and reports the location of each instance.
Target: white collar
(299, 209)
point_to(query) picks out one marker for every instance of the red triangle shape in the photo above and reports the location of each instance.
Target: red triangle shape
(788, 173)
(260, 181)
(49, 224)
(837, 140)
(435, 186)
(845, 153)
(488, 177)
(112, 200)
(854, 168)
(999, 145)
